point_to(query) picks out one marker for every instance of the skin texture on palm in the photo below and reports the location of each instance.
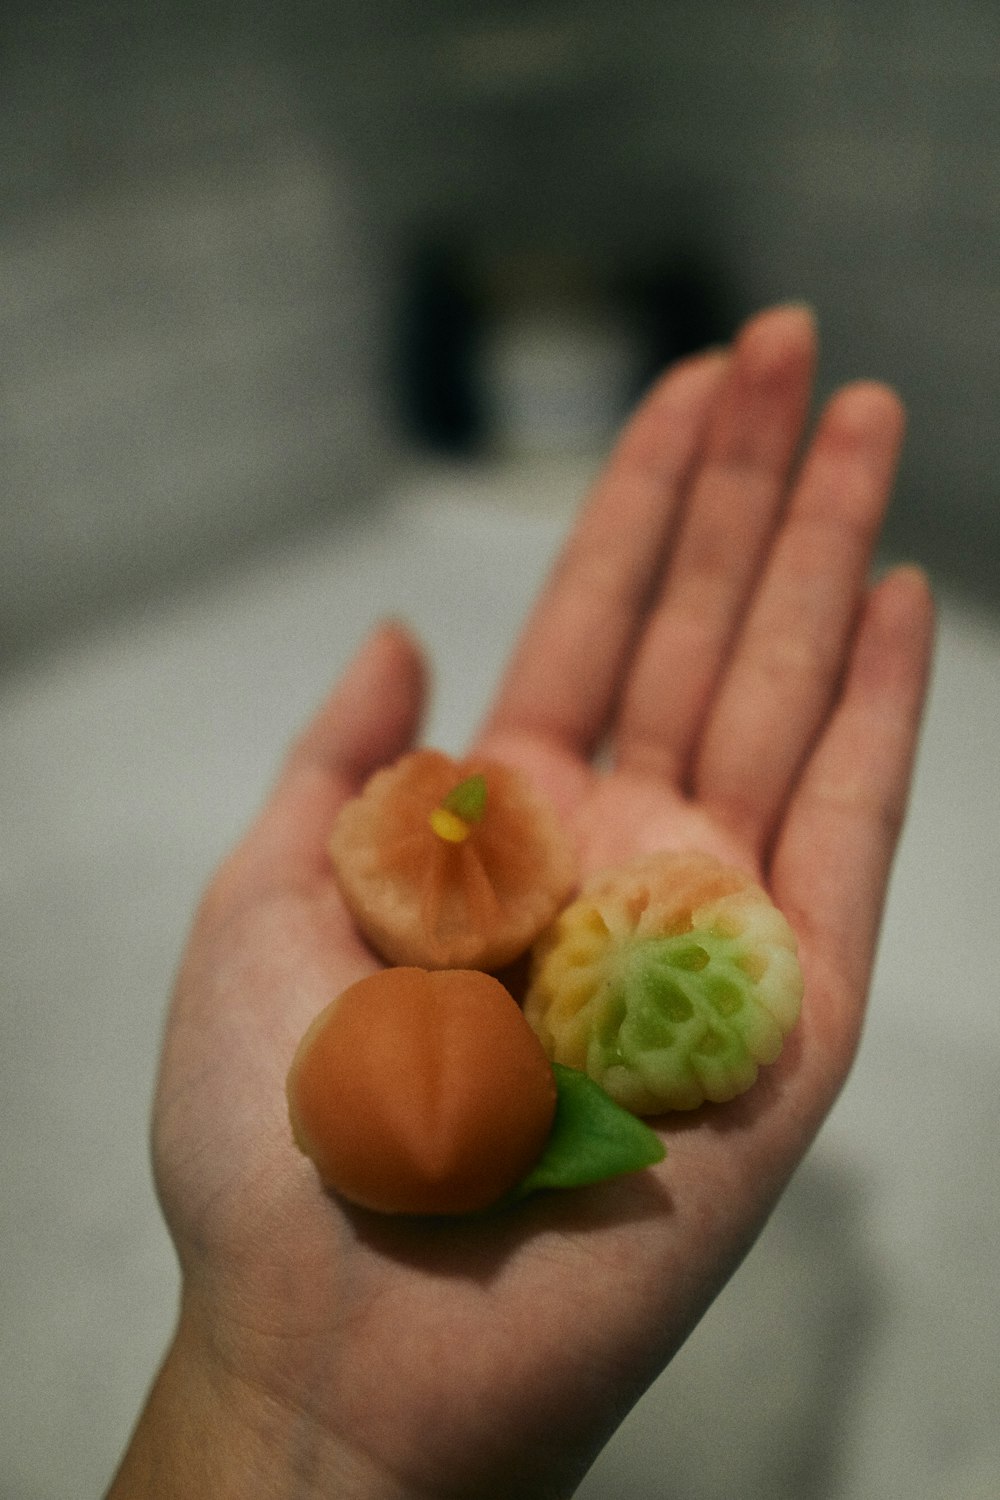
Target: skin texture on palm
(709, 666)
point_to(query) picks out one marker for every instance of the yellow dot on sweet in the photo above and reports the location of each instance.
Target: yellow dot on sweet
(449, 826)
(463, 807)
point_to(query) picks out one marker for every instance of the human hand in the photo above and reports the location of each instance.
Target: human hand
(708, 666)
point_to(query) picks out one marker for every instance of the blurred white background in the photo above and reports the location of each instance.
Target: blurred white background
(295, 310)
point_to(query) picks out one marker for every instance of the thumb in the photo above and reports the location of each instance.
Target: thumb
(372, 716)
(373, 713)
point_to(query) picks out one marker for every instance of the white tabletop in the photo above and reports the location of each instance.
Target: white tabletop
(854, 1354)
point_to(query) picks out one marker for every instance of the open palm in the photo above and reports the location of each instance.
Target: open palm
(708, 667)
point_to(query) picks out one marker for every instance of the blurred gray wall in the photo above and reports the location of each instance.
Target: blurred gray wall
(208, 213)
(190, 312)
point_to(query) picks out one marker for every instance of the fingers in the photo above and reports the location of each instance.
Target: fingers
(789, 658)
(734, 503)
(833, 854)
(371, 717)
(564, 675)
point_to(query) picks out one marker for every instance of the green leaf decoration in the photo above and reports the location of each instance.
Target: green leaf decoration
(592, 1138)
(467, 800)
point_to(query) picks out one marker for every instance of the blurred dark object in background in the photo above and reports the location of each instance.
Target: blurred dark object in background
(461, 313)
(683, 303)
(441, 323)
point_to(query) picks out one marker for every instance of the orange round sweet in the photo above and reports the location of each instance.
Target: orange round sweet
(421, 1092)
(426, 887)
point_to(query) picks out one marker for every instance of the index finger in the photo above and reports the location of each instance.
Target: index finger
(564, 675)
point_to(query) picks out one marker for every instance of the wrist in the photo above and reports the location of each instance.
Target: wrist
(208, 1433)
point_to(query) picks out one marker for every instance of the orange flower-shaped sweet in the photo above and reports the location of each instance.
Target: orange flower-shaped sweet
(451, 864)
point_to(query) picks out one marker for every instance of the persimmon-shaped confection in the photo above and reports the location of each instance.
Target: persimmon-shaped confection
(451, 864)
(422, 1092)
(669, 982)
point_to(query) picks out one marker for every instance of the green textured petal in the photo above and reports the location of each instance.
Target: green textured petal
(680, 1017)
(592, 1138)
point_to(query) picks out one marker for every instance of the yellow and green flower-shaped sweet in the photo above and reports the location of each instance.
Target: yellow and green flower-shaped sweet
(669, 982)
